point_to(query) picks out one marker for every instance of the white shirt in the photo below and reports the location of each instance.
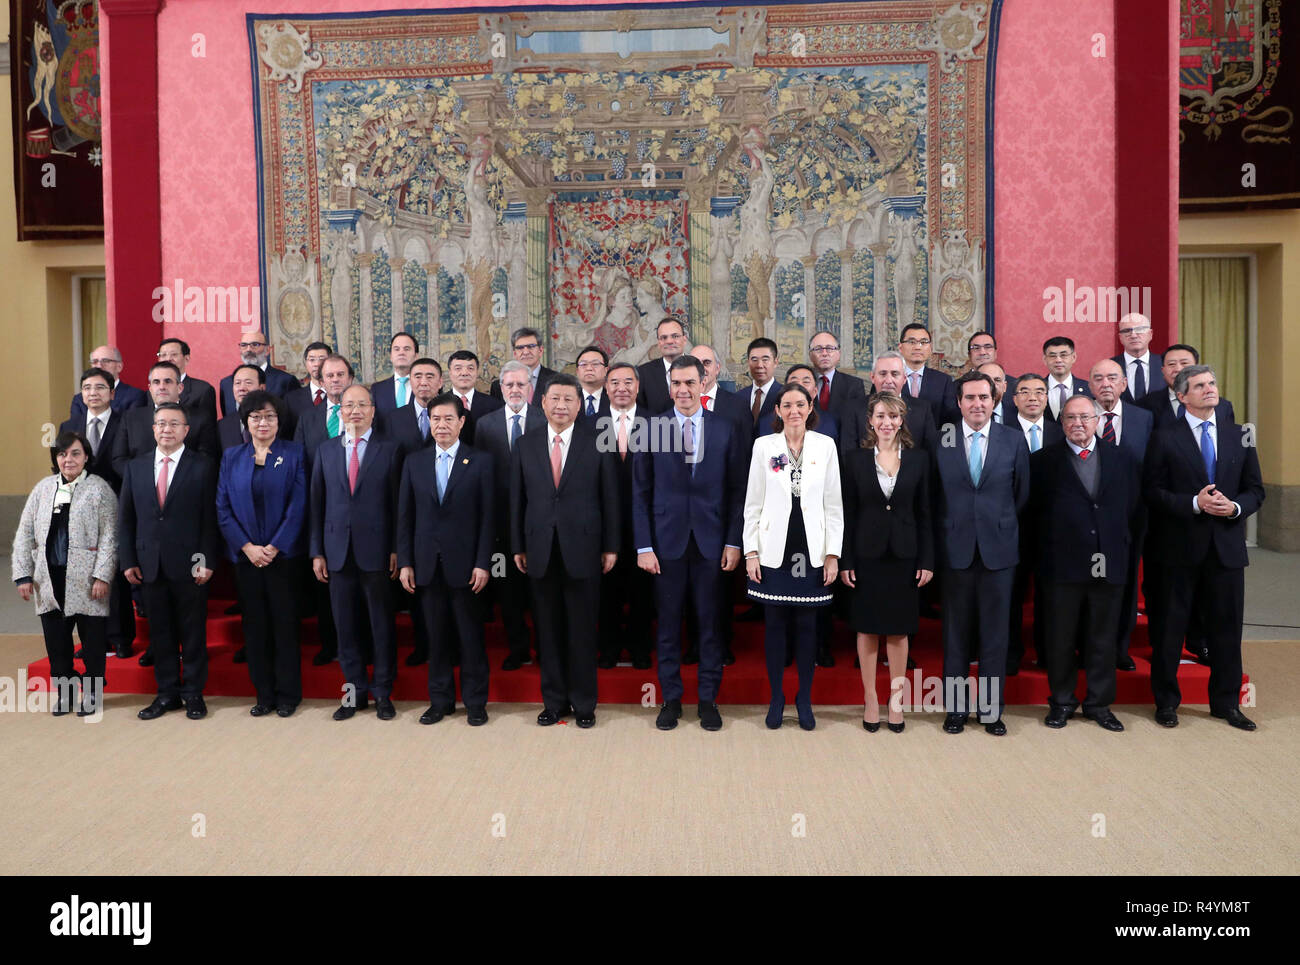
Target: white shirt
(595, 399)
(1173, 401)
(566, 436)
(1026, 425)
(1196, 423)
(102, 419)
(1131, 366)
(1054, 396)
(313, 388)
(455, 447)
(907, 377)
(362, 442)
(1117, 422)
(615, 414)
(887, 482)
(1091, 446)
(465, 397)
(175, 458)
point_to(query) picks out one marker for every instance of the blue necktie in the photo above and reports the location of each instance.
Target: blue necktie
(424, 423)
(1034, 442)
(515, 431)
(1182, 411)
(1207, 449)
(976, 459)
(400, 389)
(591, 405)
(444, 468)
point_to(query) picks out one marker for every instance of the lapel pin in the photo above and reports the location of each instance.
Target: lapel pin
(278, 460)
(464, 462)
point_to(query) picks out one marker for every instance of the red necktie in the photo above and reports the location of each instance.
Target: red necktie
(354, 466)
(320, 397)
(162, 482)
(1108, 433)
(1083, 454)
(824, 399)
(557, 465)
(705, 400)
(465, 401)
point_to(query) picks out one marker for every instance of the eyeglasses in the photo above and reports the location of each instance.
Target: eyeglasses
(915, 341)
(1135, 331)
(355, 406)
(825, 348)
(252, 344)
(106, 360)
(261, 418)
(986, 347)
(1084, 419)
(597, 364)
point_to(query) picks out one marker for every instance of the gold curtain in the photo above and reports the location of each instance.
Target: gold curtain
(94, 314)
(1213, 296)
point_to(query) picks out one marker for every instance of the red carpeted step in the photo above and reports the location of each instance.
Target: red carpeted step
(743, 683)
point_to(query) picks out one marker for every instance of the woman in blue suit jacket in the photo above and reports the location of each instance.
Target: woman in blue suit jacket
(261, 508)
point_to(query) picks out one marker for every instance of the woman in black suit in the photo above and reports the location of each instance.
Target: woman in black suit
(888, 546)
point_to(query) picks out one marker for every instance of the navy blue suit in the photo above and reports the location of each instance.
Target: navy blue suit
(135, 435)
(979, 546)
(938, 389)
(197, 395)
(1136, 428)
(686, 513)
(1155, 375)
(384, 394)
(745, 397)
(1081, 387)
(444, 541)
(124, 397)
(285, 499)
(278, 382)
(353, 531)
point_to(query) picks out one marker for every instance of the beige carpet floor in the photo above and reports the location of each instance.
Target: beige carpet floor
(310, 796)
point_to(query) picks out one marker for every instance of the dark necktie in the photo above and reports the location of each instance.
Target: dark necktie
(1182, 411)
(1108, 430)
(515, 431)
(824, 398)
(757, 407)
(591, 405)
(320, 397)
(1139, 379)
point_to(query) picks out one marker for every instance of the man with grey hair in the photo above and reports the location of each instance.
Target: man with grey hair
(125, 396)
(528, 348)
(836, 390)
(1202, 481)
(887, 374)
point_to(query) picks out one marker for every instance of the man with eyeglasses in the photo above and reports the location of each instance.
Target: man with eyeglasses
(981, 349)
(1163, 403)
(137, 435)
(527, 347)
(1085, 501)
(1140, 364)
(653, 375)
(592, 364)
(1059, 357)
(125, 396)
(195, 394)
(835, 390)
(254, 349)
(312, 391)
(922, 382)
(395, 391)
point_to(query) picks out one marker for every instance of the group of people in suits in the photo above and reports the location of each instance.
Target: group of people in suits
(599, 500)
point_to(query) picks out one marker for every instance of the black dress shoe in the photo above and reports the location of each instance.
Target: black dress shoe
(432, 715)
(585, 721)
(824, 658)
(384, 708)
(512, 662)
(871, 726)
(146, 659)
(63, 705)
(159, 707)
(641, 662)
(261, 710)
(806, 719)
(241, 655)
(285, 710)
(605, 663)
(728, 658)
(954, 723)
(322, 658)
(88, 705)
(691, 657)
(195, 708)
(1125, 663)
(896, 728)
(417, 657)
(477, 716)
(710, 719)
(1057, 717)
(996, 728)
(548, 717)
(1166, 716)
(669, 714)
(1236, 718)
(1107, 720)
(122, 651)
(775, 713)
(345, 712)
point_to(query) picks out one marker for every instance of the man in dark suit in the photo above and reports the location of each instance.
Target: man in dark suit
(409, 425)
(983, 485)
(713, 397)
(981, 349)
(445, 531)
(167, 541)
(195, 394)
(887, 376)
(759, 399)
(564, 532)
(922, 382)
(526, 344)
(1162, 402)
(497, 434)
(1202, 482)
(653, 375)
(592, 363)
(395, 391)
(1059, 358)
(255, 350)
(99, 423)
(125, 396)
(462, 370)
(1085, 500)
(136, 436)
(1000, 382)
(1140, 364)
(1128, 426)
(353, 509)
(687, 505)
(834, 390)
(245, 379)
(312, 392)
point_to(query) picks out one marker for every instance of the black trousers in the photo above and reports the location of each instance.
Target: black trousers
(121, 614)
(313, 596)
(628, 588)
(362, 604)
(513, 597)
(178, 635)
(442, 604)
(1220, 593)
(786, 626)
(976, 608)
(699, 577)
(1126, 618)
(57, 627)
(566, 609)
(1093, 608)
(270, 629)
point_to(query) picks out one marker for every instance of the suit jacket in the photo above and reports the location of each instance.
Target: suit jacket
(403, 427)
(285, 499)
(768, 500)
(919, 418)
(124, 397)
(1136, 426)
(361, 521)
(1052, 431)
(481, 405)
(1175, 473)
(101, 463)
(278, 382)
(653, 394)
(1081, 387)
(1157, 403)
(300, 400)
(900, 524)
(939, 390)
(1081, 537)
(163, 541)
(602, 408)
(135, 436)
(199, 395)
(313, 430)
(491, 436)
(384, 394)
(1155, 374)
(582, 511)
(544, 376)
(745, 399)
(229, 432)
(671, 499)
(984, 516)
(846, 390)
(460, 530)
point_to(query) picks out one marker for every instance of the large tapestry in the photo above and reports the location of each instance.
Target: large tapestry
(751, 171)
(1238, 96)
(58, 182)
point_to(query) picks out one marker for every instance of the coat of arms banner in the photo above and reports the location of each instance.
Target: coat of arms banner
(749, 170)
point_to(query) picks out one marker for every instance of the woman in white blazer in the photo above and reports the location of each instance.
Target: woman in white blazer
(64, 557)
(794, 527)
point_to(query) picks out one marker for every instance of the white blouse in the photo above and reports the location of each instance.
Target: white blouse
(887, 481)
